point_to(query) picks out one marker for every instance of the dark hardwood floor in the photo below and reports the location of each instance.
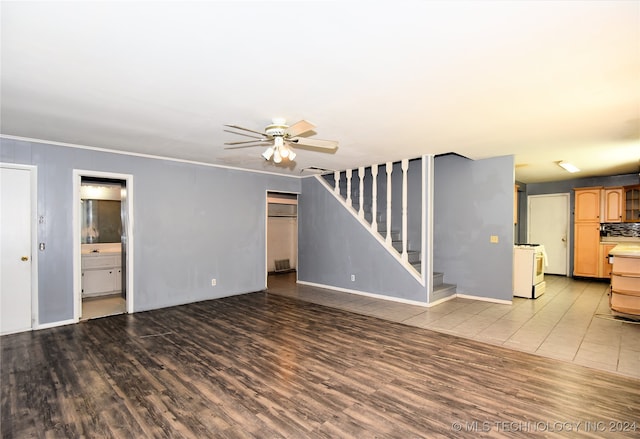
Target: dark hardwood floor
(266, 366)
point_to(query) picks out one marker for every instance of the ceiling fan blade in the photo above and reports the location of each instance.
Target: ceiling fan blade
(246, 129)
(246, 146)
(298, 128)
(243, 134)
(251, 142)
(316, 143)
(247, 141)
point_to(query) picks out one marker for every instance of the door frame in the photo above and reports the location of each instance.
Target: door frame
(77, 229)
(266, 230)
(35, 220)
(567, 196)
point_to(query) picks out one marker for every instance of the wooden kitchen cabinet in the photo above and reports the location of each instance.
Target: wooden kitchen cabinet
(586, 239)
(612, 204)
(587, 204)
(625, 280)
(586, 261)
(632, 204)
(605, 266)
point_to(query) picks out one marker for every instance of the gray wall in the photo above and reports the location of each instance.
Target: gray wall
(472, 201)
(192, 223)
(333, 245)
(520, 229)
(565, 186)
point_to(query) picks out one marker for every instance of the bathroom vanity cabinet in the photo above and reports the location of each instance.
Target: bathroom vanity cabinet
(101, 274)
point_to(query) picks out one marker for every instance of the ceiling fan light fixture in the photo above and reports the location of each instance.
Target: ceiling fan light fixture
(268, 153)
(568, 166)
(284, 138)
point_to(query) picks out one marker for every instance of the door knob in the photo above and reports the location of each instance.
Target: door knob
(24, 258)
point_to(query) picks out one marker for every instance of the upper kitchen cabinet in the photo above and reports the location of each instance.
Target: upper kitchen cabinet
(587, 204)
(632, 204)
(612, 204)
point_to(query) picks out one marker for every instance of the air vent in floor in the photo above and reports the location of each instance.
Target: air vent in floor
(282, 265)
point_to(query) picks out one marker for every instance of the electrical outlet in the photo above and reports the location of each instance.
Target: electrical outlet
(353, 278)
(494, 239)
(214, 282)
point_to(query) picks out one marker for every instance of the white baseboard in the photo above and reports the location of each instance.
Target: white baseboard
(407, 301)
(54, 324)
(362, 293)
(444, 299)
(485, 299)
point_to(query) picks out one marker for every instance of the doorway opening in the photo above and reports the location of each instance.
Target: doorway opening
(282, 234)
(102, 250)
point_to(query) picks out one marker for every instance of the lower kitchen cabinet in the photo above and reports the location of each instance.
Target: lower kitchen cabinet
(625, 280)
(605, 264)
(586, 251)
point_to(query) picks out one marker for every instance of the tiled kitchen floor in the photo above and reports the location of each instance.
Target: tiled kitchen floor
(570, 322)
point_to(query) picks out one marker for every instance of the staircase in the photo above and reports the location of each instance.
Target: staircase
(367, 193)
(441, 289)
(413, 256)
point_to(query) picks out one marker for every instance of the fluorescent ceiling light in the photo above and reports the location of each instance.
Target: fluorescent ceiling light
(568, 167)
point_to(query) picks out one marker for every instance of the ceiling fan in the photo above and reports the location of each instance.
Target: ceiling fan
(281, 138)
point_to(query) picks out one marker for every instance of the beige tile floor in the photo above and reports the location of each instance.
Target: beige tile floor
(570, 322)
(97, 307)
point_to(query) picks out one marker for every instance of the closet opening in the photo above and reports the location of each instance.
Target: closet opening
(282, 234)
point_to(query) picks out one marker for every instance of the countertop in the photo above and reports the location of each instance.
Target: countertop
(624, 239)
(100, 253)
(102, 248)
(626, 249)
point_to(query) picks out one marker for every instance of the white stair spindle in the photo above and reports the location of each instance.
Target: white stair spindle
(349, 188)
(389, 170)
(336, 177)
(361, 187)
(405, 167)
(374, 198)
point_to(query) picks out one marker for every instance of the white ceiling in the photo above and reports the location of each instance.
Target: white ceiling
(543, 80)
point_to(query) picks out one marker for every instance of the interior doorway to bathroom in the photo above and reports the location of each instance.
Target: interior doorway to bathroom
(103, 249)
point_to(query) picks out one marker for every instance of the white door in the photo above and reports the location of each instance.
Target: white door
(548, 224)
(15, 248)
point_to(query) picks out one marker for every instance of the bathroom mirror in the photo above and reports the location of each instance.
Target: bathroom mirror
(101, 221)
